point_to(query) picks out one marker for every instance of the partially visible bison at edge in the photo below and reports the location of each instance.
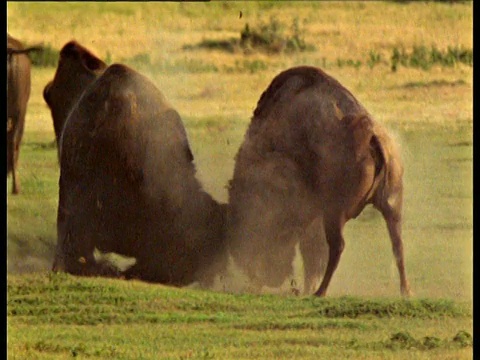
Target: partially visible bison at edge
(127, 185)
(18, 93)
(312, 154)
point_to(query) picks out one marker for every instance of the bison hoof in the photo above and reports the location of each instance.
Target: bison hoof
(320, 293)
(407, 293)
(405, 289)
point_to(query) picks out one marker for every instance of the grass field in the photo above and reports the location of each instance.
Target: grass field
(215, 91)
(55, 316)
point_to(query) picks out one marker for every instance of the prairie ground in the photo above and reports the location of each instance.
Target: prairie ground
(429, 111)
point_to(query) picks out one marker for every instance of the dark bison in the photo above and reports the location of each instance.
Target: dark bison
(312, 154)
(77, 68)
(18, 93)
(127, 184)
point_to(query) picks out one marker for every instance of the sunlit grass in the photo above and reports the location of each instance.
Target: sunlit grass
(429, 112)
(56, 315)
(337, 29)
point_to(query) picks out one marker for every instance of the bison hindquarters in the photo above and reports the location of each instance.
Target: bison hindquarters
(335, 160)
(378, 181)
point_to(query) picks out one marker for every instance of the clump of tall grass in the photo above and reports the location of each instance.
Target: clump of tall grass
(275, 37)
(451, 2)
(374, 58)
(350, 307)
(246, 66)
(404, 340)
(272, 37)
(419, 56)
(48, 57)
(348, 62)
(424, 58)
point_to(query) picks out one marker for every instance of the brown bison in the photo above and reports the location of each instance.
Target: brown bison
(77, 68)
(18, 93)
(312, 155)
(127, 184)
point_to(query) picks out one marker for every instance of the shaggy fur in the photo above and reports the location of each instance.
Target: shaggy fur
(128, 185)
(312, 155)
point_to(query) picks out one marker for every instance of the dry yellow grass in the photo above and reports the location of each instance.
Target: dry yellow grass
(338, 30)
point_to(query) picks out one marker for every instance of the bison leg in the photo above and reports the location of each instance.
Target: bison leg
(15, 185)
(82, 262)
(391, 209)
(313, 247)
(75, 255)
(12, 153)
(394, 229)
(17, 139)
(336, 245)
(74, 260)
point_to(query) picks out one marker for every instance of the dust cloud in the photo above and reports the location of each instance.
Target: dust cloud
(295, 269)
(274, 237)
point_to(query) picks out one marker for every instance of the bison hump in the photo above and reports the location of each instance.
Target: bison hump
(291, 82)
(288, 82)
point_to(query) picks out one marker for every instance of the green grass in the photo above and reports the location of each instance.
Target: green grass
(429, 111)
(58, 316)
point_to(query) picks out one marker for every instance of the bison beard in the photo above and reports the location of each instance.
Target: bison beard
(312, 159)
(127, 185)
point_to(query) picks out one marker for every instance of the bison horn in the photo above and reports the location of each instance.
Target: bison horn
(338, 112)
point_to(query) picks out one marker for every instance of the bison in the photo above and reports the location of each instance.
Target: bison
(127, 182)
(18, 93)
(312, 156)
(77, 68)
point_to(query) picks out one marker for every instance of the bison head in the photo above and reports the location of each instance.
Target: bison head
(77, 68)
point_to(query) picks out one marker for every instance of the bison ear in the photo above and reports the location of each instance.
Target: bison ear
(338, 112)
